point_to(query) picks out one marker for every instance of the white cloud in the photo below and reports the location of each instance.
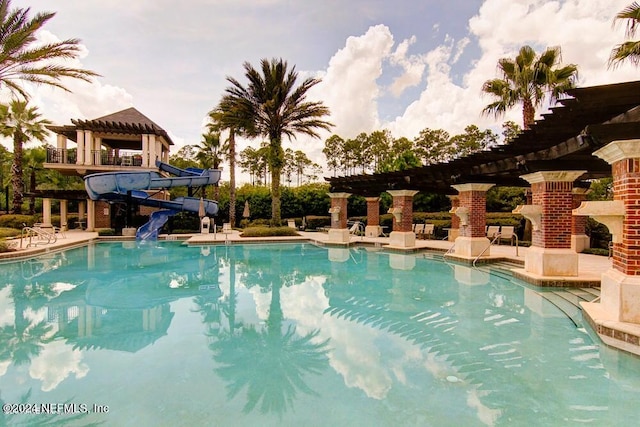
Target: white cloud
(56, 362)
(413, 66)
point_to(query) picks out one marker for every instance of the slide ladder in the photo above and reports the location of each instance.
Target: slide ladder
(149, 231)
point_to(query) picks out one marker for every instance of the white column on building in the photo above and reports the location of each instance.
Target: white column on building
(152, 150)
(64, 209)
(88, 147)
(61, 145)
(97, 147)
(145, 150)
(158, 151)
(91, 215)
(80, 148)
(46, 212)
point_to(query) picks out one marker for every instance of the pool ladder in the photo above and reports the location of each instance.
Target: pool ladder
(43, 237)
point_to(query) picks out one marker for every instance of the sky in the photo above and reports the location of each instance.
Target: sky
(401, 65)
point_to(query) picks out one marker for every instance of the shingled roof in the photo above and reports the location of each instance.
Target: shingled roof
(128, 121)
(563, 139)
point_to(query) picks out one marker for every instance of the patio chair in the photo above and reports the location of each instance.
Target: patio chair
(357, 229)
(419, 230)
(291, 223)
(507, 232)
(492, 231)
(429, 230)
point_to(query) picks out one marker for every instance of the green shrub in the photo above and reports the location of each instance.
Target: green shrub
(268, 231)
(9, 232)
(106, 232)
(4, 246)
(17, 221)
(315, 221)
(596, 251)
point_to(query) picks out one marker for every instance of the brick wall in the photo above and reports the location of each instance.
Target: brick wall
(476, 202)
(626, 182)
(103, 215)
(578, 222)
(340, 202)
(406, 204)
(373, 211)
(556, 200)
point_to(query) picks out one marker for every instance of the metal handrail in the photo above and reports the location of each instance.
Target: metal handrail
(450, 250)
(496, 236)
(42, 235)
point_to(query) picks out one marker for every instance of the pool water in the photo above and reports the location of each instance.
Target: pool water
(294, 335)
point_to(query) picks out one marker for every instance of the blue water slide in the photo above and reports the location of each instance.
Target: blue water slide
(130, 186)
(149, 231)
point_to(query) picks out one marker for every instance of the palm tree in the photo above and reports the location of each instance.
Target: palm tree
(629, 50)
(23, 60)
(210, 152)
(22, 123)
(271, 105)
(527, 79)
(224, 117)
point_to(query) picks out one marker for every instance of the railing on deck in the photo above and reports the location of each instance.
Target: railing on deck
(100, 157)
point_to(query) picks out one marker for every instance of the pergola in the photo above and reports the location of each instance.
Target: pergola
(563, 139)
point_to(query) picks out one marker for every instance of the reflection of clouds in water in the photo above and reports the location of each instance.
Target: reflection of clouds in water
(4, 366)
(56, 362)
(355, 353)
(7, 310)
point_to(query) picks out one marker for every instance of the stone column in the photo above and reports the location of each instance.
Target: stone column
(152, 151)
(454, 231)
(88, 148)
(402, 210)
(472, 239)
(550, 253)
(80, 147)
(339, 233)
(64, 209)
(579, 239)
(620, 290)
(46, 212)
(145, 150)
(82, 210)
(91, 215)
(373, 228)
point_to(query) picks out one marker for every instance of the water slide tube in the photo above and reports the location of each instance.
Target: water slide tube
(130, 186)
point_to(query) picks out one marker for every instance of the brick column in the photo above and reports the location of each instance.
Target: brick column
(402, 210)
(472, 239)
(579, 239)
(338, 233)
(550, 253)
(620, 290)
(373, 228)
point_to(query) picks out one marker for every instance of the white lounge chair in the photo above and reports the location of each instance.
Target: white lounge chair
(429, 230)
(357, 229)
(492, 231)
(419, 230)
(507, 232)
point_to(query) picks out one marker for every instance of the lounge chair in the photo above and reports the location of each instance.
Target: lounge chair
(429, 230)
(507, 233)
(291, 223)
(419, 230)
(357, 229)
(492, 231)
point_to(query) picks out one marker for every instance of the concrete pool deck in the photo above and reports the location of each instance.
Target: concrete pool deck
(625, 336)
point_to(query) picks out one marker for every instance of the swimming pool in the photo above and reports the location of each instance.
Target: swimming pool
(294, 334)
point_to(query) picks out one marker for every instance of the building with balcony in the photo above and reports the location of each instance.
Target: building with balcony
(125, 140)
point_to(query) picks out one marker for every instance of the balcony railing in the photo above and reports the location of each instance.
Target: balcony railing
(69, 157)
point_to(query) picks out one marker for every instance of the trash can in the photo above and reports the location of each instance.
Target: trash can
(205, 222)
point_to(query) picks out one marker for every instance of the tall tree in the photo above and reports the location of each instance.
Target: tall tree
(227, 117)
(629, 50)
(24, 60)
(271, 105)
(210, 152)
(527, 79)
(22, 123)
(333, 149)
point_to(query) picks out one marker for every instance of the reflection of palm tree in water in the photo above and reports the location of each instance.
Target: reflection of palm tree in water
(270, 363)
(25, 338)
